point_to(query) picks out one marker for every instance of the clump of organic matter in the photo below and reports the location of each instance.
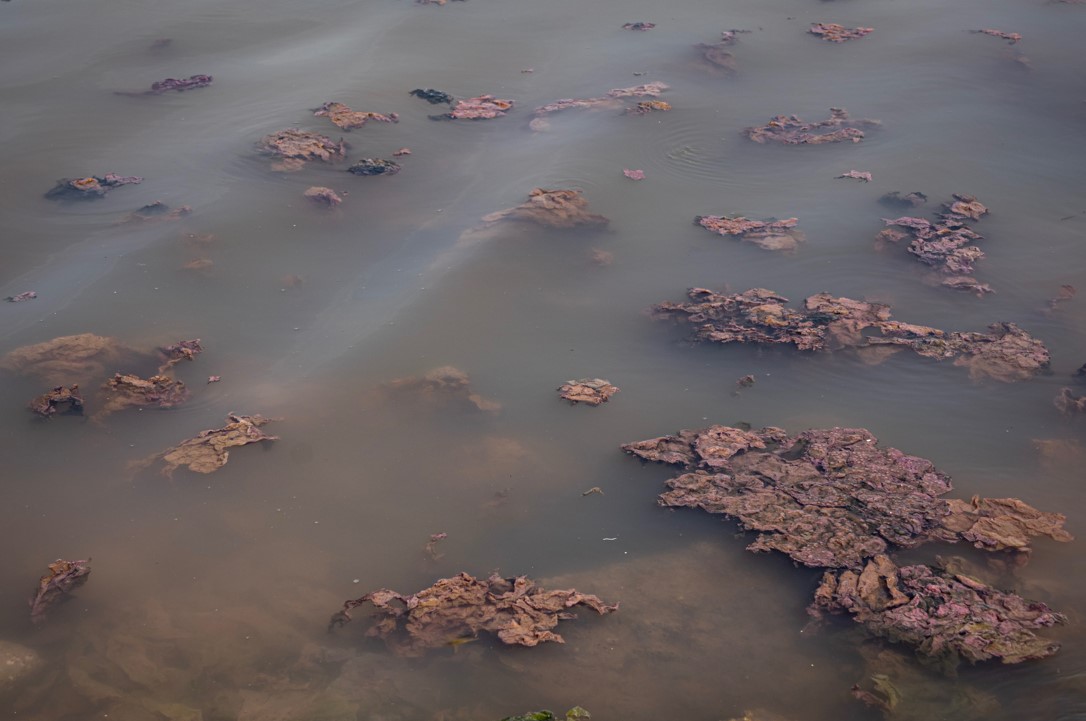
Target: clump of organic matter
(790, 130)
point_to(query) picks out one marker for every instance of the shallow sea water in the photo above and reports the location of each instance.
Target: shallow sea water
(210, 594)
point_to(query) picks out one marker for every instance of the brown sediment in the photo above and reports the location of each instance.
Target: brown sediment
(552, 209)
(743, 383)
(296, 146)
(837, 33)
(455, 609)
(769, 234)
(904, 200)
(57, 585)
(945, 616)
(832, 498)
(902, 691)
(60, 399)
(182, 350)
(1006, 352)
(648, 106)
(1066, 293)
(716, 56)
(442, 385)
(209, 450)
(346, 119)
(199, 264)
(593, 391)
(82, 358)
(431, 546)
(790, 130)
(324, 197)
(1069, 403)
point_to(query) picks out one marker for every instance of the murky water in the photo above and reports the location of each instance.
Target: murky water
(210, 594)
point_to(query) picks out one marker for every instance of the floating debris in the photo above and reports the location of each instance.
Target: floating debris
(431, 546)
(514, 609)
(639, 26)
(790, 130)
(180, 85)
(156, 211)
(908, 200)
(325, 197)
(1012, 38)
(1068, 403)
(904, 691)
(214, 379)
(946, 616)
(374, 166)
(1005, 353)
(130, 391)
(402, 151)
(50, 403)
(837, 33)
(592, 391)
(602, 257)
(594, 490)
(347, 119)
(716, 55)
(482, 107)
(19, 298)
(770, 234)
(856, 175)
(63, 578)
(611, 101)
(831, 498)
(634, 174)
(182, 350)
(946, 243)
(90, 187)
(434, 97)
(648, 106)
(297, 146)
(444, 384)
(743, 383)
(574, 714)
(200, 264)
(552, 209)
(209, 450)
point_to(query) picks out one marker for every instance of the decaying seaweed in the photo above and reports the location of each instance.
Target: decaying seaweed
(860, 175)
(90, 187)
(1012, 38)
(1067, 402)
(182, 350)
(832, 498)
(374, 166)
(514, 609)
(325, 197)
(897, 199)
(837, 33)
(156, 211)
(574, 714)
(742, 384)
(903, 691)
(482, 107)
(592, 391)
(79, 358)
(1005, 352)
(634, 174)
(638, 26)
(345, 118)
(1065, 293)
(57, 585)
(434, 97)
(945, 616)
(612, 101)
(431, 546)
(125, 390)
(293, 144)
(790, 130)
(716, 56)
(770, 234)
(209, 450)
(552, 209)
(20, 297)
(649, 106)
(178, 84)
(443, 385)
(60, 399)
(947, 243)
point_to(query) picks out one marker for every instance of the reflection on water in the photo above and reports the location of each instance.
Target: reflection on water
(210, 594)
